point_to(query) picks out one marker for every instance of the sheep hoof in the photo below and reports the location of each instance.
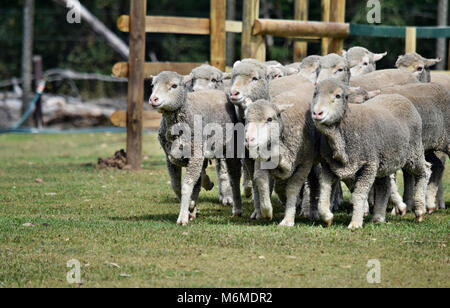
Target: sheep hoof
(227, 201)
(247, 192)
(267, 213)
(420, 218)
(366, 214)
(237, 213)
(431, 210)
(182, 222)
(328, 222)
(287, 223)
(355, 225)
(256, 215)
(379, 220)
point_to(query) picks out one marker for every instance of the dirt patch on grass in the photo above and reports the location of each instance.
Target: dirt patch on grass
(118, 161)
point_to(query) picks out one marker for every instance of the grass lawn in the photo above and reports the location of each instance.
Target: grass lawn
(121, 226)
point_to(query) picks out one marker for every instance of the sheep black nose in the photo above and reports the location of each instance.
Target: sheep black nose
(236, 93)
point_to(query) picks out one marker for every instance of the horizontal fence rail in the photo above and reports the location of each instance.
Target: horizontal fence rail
(178, 25)
(398, 32)
(121, 69)
(294, 28)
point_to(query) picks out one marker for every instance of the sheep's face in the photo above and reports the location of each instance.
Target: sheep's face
(248, 82)
(275, 72)
(333, 66)
(360, 96)
(361, 61)
(202, 84)
(261, 117)
(417, 65)
(329, 102)
(309, 68)
(169, 91)
(207, 77)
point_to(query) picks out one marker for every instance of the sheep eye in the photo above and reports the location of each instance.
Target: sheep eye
(340, 70)
(213, 80)
(254, 79)
(420, 69)
(269, 120)
(365, 63)
(338, 96)
(174, 86)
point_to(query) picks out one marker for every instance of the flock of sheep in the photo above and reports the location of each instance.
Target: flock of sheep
(339, 119)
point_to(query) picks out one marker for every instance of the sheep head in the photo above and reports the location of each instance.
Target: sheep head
(361, 60)
(333, 66)
(309, 68)
(330, 102)
(169, 91)
(417, 65)
(249, 80)
(207, 77)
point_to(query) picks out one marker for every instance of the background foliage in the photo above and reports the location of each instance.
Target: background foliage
(75, 46)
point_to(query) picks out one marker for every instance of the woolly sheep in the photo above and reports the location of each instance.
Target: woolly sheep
(417, 65)
(364, 144)
(361, 60)
(432, 101)
(207, 77)
(309, 67)
(172, 99)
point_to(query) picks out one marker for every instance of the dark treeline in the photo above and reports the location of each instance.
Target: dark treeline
(74, 46)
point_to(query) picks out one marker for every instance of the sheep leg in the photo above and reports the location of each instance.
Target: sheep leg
(175, 178)
(440, 194)
(280, 190)
(371, 199)
(234, 170)
(250, 167)
(248, 186)
(192, 177)
(421, 172)
(409, 183)
(365, 179)
(206, 182)
(395, 198)
(314, 192)
(327, 179)
(293, 186)
(437, 172)
(337, 195)
(262, 180)
(382, 191)
(193, 209)
(225, 191)
(305, 202)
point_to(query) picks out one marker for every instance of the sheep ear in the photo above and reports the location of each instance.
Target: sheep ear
(236, 63)
(291, 71)
(378, 56)
(226, 76)
(247, 102)
(353, 90)
(431, 62)
(283, 107)
(344, 52)
(372, 94)
(188, 80)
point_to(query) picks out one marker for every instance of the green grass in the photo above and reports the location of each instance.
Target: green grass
(128, 218)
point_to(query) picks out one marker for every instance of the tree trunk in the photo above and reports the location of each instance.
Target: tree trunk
(441, 47)
(27, 54)
(113, 40)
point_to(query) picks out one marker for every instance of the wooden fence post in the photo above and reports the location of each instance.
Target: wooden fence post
(218, 34)
(253, 46)
(301, 13)
(337, 15)
(136, 62)
(326, 9)
(410, 39)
